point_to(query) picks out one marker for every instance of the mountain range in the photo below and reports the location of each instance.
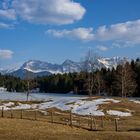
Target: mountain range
(33, 68)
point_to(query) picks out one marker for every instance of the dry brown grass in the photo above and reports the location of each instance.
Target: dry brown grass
(125, 106)
(16, 129)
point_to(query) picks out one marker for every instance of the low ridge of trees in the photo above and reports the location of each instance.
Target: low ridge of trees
(12, 83)
(123, 81)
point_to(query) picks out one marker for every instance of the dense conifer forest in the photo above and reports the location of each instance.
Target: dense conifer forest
(123, 81)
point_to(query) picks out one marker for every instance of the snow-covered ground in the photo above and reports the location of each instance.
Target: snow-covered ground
(135, 101)
(119, 113)
(77, 104)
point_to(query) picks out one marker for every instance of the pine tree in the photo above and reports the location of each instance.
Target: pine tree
(98, 82)
(136, 67)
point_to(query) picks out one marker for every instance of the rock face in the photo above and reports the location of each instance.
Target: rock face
(39, 68)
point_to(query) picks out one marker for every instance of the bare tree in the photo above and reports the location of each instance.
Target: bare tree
(29, 77)
(89, 67)
(125, 82)
(28, 85)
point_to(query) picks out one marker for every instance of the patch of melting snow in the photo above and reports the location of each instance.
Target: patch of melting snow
(6, 106)
(44, 112)
(77, 105)
(22, 106)
(25, 106)
(91, 107)
(135, 101)
(119, 113)
(9, 104)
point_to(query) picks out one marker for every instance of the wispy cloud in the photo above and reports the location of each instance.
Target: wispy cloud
(102, 48)
(6, 54)
(84, 34)
(6, 26)
(127, 33)
(8, 14)
(5, 4)
(6, 11)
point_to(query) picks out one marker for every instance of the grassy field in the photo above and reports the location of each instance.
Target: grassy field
(28, 128)
(16, 129)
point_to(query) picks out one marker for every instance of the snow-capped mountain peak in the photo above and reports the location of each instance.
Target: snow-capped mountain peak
(40, 68)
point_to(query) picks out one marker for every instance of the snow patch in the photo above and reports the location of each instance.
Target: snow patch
(81, 106)
(78, 106)
(35, 71)
(22, 106)
(6, 106)
(135, 101)
(9, 104)
(25, 106)
(119, 113)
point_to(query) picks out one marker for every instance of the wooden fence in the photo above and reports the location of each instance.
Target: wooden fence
(68, 118)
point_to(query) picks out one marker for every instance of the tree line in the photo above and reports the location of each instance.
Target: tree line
(124, 81)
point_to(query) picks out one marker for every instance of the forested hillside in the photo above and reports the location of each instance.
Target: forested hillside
(123, 81)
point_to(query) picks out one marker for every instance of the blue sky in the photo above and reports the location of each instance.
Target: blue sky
(56, 30)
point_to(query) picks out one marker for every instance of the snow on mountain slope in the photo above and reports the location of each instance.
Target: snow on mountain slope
(40, 68)
(37, 66)
(70, 66)
(109, 63)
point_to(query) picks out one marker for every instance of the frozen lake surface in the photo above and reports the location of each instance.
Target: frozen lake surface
(14, 96)
(35, 96)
